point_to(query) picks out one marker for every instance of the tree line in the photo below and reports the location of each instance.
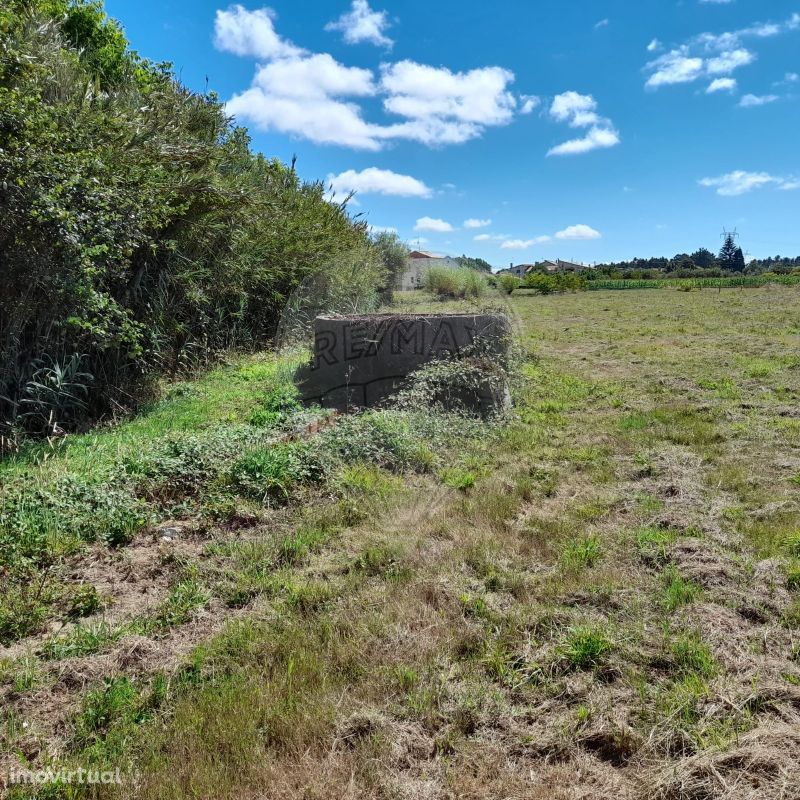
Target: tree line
(140, 235)
(702, 263)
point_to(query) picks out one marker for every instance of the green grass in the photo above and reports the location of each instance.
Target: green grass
(82, 640)
(581, 553)
(586, 647)
(394, 615)
(692, 655)
(226, 395)
(676, 590)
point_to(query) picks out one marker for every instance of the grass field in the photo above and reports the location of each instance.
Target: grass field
(597, 598)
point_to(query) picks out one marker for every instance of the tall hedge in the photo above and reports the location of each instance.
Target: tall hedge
(139, 234)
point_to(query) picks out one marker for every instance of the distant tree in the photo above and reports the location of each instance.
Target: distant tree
(393, 253)
(730, 256)
(686, 264)
(738, 260)
(474, 263)
(704, 258)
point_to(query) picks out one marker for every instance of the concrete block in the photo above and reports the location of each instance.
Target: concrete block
(360, 361)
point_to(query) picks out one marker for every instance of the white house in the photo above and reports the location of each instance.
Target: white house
(417, 264)
(521, 270)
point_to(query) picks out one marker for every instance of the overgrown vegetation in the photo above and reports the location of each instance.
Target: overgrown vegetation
(449, 284)
(140, 235)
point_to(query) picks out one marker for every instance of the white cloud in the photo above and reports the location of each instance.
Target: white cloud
(791, 77)
(728, 61)
(315, 76)
(717, 2)
(594, 139)
(603, 23)
(362, 24)
(790, 185)
(320, 120)
(421, 92)
(477, 223)
(523, 244)
(755, 100)
(578, 233)
(482, 237)
(250, 33)
(722, 85)
(674, 67)
(653, 46)
(739, 182)
(580, 111)
(378, 181)
(710, 55)
(313, 96)
(574, 108)
(433, 225)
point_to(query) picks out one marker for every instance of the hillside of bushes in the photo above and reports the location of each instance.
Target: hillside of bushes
(140, 236)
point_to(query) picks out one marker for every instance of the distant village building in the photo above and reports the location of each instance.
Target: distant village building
(417, 265)
(521, 270)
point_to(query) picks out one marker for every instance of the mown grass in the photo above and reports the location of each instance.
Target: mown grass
(433, 601)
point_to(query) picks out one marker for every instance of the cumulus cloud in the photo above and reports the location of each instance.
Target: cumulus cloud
(528, 103)
(578, 233)
(433, 225)
(313, 96)
(653, 46)
(741, 182)
(482, 237)
(523, 244)
(594, 139)
(722, 85)
(250, 33)
(421, 92)
(362, 24)
(710, 55)
(674, 67)
(580, 111)
(378, 181)
(755, 100)
(477, 223)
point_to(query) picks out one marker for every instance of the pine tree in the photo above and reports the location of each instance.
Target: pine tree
(727, 254)
(738, 261)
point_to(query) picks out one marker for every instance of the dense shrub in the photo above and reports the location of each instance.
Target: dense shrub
(543, 283)
(508, 283)
(448, 283)
(139, 235)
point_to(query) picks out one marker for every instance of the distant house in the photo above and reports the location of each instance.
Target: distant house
(418, 262)
(518, 271)
(521, 270)
(563, 266)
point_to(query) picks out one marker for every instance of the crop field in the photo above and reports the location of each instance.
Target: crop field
(731, 282)
(230, 596)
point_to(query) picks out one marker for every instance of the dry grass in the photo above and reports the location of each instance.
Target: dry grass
(604, 613)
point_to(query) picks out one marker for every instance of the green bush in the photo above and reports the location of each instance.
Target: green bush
(140, 234)
(456, 283)
(270, 473)
(380, 438)
(546, 283)
(508, 283)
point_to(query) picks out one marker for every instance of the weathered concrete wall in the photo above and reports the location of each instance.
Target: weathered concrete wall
(359, 361)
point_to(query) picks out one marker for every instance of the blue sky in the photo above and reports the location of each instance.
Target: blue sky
(581, 129)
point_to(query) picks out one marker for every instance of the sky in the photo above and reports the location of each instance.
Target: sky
(587, 130)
